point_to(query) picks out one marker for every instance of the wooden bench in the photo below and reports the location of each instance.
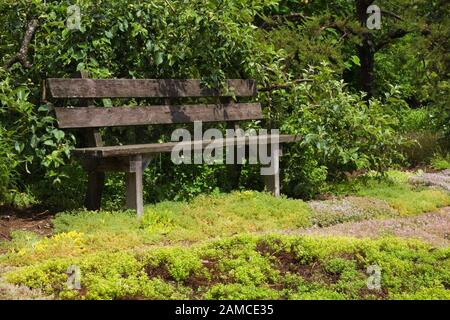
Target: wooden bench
(96, 158)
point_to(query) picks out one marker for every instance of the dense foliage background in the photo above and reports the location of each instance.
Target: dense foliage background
(363, 99)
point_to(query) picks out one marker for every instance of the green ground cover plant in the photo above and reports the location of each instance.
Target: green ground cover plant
(223, 246)
(78, 233)
(205, 217)
(395, 190)
(252, 267)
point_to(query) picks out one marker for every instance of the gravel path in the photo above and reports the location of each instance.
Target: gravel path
(10, 291)
(439, 179)
(433, 227)
(349, 209)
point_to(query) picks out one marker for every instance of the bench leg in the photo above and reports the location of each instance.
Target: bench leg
(233, 174)
(96, 181)
(272, 182)
(134, 195)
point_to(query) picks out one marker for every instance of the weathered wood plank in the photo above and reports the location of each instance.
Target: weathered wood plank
(132, 116)
(272, 181)
(130, 187)
(118, 151)
(143, 88)
(134, 196)
(96, 182)
(233, 170)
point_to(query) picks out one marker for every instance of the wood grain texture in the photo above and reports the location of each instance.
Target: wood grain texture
(133, 116)
(272, 181)
(96, 182)
(134, 194)
(92, 137)
(143, 88)
(120, 151)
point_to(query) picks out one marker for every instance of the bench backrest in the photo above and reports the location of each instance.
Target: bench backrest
(167, 113)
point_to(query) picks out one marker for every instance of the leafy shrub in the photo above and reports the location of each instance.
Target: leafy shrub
(126, 39)
(212, 42)
(440, 162)
(8, 164)
(342, 132)
(424, 135)
(33, 141)
(422, 119)
(420, 147)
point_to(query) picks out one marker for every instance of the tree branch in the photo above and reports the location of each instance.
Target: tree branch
(274, 20)
(391, 14)
(22, 55)
(394, 34)
(341, 26)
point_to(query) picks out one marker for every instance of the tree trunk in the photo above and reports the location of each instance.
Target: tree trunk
(367, 58)
(366, 50)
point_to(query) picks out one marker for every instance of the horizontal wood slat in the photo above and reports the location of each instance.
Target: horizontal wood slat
(129, 150)
(132, 116)
(142, 88)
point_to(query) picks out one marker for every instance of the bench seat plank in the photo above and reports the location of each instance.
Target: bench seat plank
(136, 149)
(60, 88)
(166, 114)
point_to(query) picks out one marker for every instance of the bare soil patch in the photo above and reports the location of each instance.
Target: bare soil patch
(36, 219)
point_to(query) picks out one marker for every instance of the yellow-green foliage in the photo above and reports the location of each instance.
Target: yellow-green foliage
(252, 267)
(403, 197)
(122, 257)
(224, 215)
(202, 218)
(205, 217)
(27, 247)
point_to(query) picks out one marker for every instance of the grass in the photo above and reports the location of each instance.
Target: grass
(252, 267)
(209, 248)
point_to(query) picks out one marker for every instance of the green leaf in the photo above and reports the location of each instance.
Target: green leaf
(49, 143)
(58, 134)
(33, 141)
(43, 108)
(19, 146)
(356, 61)
(65, 33)
(158, 58)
